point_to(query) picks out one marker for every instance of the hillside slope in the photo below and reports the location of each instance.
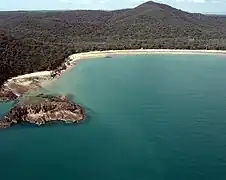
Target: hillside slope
(153, 20)
(149, 20)
(22, 56)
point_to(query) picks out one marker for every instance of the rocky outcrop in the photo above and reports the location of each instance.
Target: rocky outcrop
(46, 109)
(7, 94)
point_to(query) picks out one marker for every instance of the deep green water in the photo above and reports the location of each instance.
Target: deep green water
(149, 117)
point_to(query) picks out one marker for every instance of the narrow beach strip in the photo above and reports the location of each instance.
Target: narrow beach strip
(95, 54)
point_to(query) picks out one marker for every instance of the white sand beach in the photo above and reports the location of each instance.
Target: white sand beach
(35, 74)
(94, 54)
(45, 76)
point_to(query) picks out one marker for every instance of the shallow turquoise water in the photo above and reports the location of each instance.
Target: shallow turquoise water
(149, 117)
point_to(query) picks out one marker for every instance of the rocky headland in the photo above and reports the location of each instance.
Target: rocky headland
(43, 109)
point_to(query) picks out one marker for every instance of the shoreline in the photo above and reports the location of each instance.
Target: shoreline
(94, 54)
(21, 84)
(108, 53)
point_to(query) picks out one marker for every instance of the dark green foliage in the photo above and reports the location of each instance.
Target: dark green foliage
(27, 55)
(42, 40)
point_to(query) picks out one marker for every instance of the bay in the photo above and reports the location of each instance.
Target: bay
(148, 117)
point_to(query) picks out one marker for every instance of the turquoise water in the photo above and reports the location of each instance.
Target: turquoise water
(149, 117)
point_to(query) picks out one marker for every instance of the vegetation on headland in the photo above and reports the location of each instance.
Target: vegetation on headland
(36, 41)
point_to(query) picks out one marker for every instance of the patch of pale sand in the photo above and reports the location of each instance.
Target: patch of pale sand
(32, 75)
(26, 83)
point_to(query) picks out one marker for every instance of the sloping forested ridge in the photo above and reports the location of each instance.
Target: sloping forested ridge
(41, 40)
(19, 56)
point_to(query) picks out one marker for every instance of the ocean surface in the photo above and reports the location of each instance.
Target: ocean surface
(160, 117)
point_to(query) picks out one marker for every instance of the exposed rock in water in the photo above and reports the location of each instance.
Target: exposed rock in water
(46, 109)
(7, 94)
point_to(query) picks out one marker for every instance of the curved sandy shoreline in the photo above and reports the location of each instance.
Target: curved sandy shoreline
(95, 54)
(24, 83)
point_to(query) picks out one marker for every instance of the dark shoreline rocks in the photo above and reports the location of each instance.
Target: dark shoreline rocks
(45, 109)
(7, 95)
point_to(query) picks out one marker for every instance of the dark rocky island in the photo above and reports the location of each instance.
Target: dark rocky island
(43, 109)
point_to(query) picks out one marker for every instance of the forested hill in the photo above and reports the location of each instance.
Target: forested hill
(40, 40)
(18, 56)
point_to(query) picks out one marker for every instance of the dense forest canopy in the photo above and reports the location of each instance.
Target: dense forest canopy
(41, 40)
